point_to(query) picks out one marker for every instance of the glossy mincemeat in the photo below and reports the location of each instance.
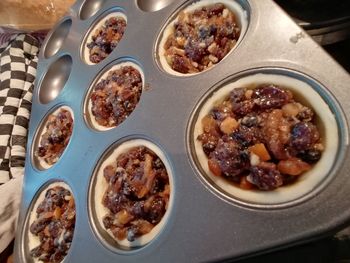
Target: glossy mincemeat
(138, 193)
(106, 38)
(261, 138)
(55, 139)
(54, 225)
(114, 98)
(201, 38)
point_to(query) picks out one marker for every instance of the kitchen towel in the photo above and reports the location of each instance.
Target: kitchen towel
(18, 62)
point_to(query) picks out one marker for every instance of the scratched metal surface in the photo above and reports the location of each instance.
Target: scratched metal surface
(203, 226)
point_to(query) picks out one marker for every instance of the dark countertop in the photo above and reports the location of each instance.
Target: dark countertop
(340, 52)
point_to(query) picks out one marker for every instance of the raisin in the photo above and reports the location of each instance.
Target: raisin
(231, 159)
(265, 178)
(107, 221)
(221, 112)
(158, 164)
(131, 235)
(215, 9)
(250, 121)
(68, 236)
(138, 209)
(304, 135)
(55, 228)
(181, 64)
(271, 96)
(226, 30)
(209, 147)
(310, 156)
(204, 32)
(237, 95)
(209, 142)
(157, 211)
(246, 136)
(193, 51)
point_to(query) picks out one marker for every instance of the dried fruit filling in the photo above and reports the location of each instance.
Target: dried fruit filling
(59, 129)
(114, 98)
(106, 38)
(201, 38)
(54, 225)
(137, 195)
(261, 138)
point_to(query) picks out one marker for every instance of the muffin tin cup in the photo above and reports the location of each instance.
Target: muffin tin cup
(153, 6)
(55, 79)
(56, 40)
(204, 224)
(114, 12)
(240, 13)
(31, 241)
(305, 90)
(99, 185)
(90, 119)
(89, 8)
(38, 161)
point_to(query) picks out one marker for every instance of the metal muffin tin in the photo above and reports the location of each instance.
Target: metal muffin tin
(204, 225)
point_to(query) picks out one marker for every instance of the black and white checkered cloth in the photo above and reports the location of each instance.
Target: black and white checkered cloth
(18, 62)
(17, 74)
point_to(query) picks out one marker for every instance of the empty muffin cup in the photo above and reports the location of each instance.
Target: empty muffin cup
(131, 195)
(104, 37)
(53, 137)
(265, 139)
(90, 8)
(202, 34)
(114, 95)
(55, 79)
(50, 224)
(57, 38)
(153, 5)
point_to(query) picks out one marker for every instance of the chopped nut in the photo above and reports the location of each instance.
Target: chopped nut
(202, 45)
(254, 159)
(181, 41)
(225, 13)
(213, 59)
(123, 217)
(209, 124)
(212, 47)
(319, 147)
(177, 51)
(195, 64)
(169, 59)
(291, 109)
(248, 94)
(229, 125)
